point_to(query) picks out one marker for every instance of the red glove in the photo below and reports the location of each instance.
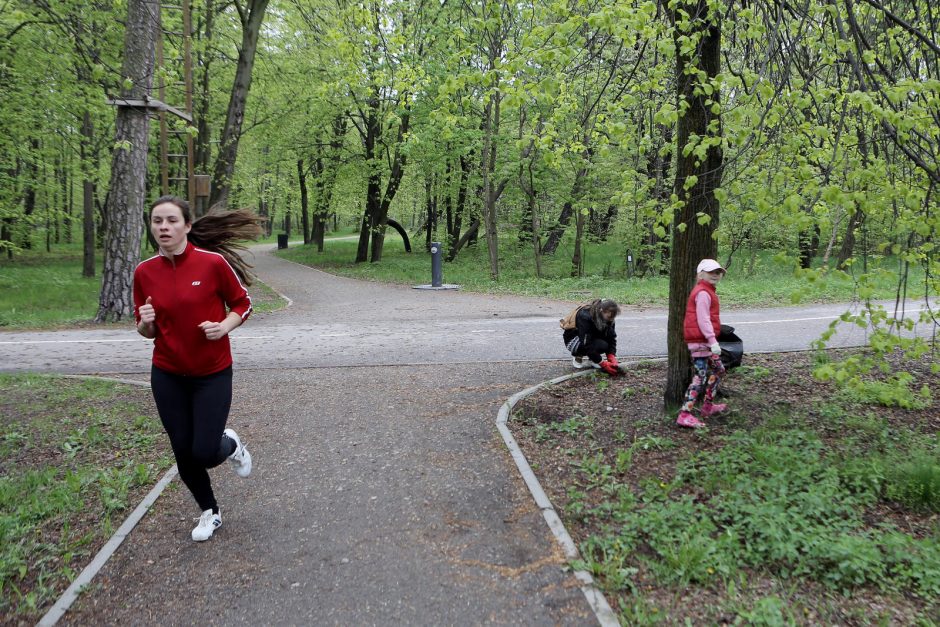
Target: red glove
(609, 368)
(613, 360)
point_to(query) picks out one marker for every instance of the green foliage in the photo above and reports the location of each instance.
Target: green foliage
(571, 427)
(915, 480)
(772, 499)
(78, 451)
(852, 374)
(766, 612)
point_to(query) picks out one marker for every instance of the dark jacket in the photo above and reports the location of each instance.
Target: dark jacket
(587, 332)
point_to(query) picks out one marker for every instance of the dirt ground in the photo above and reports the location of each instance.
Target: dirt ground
(629, 408)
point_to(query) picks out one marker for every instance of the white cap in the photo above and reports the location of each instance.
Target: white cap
(709, 265)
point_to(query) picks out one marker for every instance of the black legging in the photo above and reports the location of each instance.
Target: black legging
(194, 411)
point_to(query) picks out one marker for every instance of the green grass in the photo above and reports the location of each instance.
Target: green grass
(772, 283)
(46, 289)
(40, 290)
(75, 456)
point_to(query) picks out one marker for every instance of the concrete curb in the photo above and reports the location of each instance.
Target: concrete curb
(84, 578)
(595, 598)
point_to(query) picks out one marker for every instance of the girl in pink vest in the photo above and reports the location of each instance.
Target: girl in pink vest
(702, 324)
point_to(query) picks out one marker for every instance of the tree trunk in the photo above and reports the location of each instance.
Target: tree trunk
(858, 217)
(848, 240)
(326, 180)
(202, 151)
(448, 197)
(373, 131)
(454, 230)
(692, 240)
(809, 246)
(577, 259)
(490, 128)
(379, 218)
(88, 197)
(29, 195)
(70, 202)
(472, 230)
(251, 17)
(304, 209)
(567, 210)
(430, 207)
(125, 205)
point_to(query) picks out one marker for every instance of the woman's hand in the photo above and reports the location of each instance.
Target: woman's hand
(148, 315)
(218, 330)
(146, 312)
(213, 330)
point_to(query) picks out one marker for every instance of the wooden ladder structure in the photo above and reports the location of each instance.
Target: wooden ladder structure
(176, 167)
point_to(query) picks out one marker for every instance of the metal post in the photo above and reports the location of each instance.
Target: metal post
(437, 272)
(629, 264)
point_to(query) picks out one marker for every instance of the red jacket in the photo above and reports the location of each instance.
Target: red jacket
(691, 330)
(195, 286)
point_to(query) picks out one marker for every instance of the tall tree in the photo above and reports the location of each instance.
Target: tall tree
(251, 16)
(125, 205)
(697, 35)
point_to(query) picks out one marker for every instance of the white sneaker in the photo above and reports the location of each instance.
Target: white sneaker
(208, 523)
(578, 362)
(241, 458)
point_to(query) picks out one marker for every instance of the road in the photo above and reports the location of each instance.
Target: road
(341, 322)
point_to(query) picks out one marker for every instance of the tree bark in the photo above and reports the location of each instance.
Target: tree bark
(380, 218)
(125, 205)
(202, 151)
(567, 210)
(326, 179)
(372, 134)
(472, 230)
(88, 197)
(29, 195)
(848, 240)
(304, 209)
(251, 17)
(692, 240)
(490, 128)
(577, 258)
(430, 208)
(454, 229)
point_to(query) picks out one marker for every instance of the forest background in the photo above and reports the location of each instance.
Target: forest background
(665, 130)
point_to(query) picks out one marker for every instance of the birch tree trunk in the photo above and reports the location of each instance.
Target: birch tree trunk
(125, 203)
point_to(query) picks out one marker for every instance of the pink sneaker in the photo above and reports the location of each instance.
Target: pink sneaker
(710, 409)
(688, 420)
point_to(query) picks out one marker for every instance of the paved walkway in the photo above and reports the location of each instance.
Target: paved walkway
(380, 494)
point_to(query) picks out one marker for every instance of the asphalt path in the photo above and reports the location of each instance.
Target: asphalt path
(341, 322)
(381, 492)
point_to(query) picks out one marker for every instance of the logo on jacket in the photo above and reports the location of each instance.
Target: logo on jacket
(196, 282)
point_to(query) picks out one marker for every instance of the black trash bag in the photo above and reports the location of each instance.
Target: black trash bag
(732, 347)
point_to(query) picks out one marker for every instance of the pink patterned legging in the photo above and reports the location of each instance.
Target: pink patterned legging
(706, 376)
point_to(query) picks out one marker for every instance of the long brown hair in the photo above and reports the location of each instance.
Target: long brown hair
(220, 231)
(599, 306)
